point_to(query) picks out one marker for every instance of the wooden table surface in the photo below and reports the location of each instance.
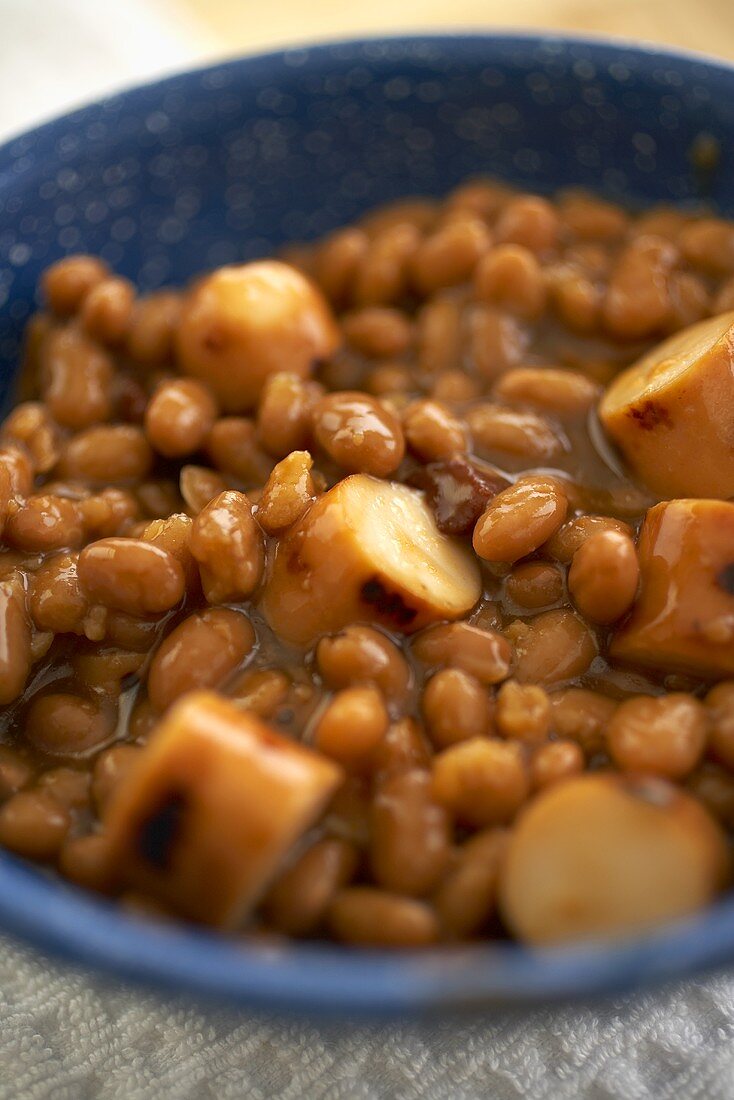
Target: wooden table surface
(236, 26)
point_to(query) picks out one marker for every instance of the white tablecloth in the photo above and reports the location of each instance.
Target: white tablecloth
(67, 1036)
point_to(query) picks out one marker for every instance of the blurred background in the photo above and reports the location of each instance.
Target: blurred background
(55, 54)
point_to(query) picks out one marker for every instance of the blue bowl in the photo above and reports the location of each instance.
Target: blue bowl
(229, 162)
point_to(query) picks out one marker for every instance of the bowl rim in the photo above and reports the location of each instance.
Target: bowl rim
(80, 928)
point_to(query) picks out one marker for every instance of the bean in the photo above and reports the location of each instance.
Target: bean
(202, 652)
(360, 654)
(379, 332)
(76, 379)
(228, 545)
(297, 902)
(66, 283)
(410, 841)
(466, 898)
(45, 522)
(33, 824)
(107, 310)
(529, 221)
(15, 638)
(62, 724)
(449, 255)
(358, 433)
(511, 277)
(456, 707)
(519, 520)
(179, 417)
(481, 782)
(107, 455)
(554, 762)
(368, 917)
(432, 432)
(524, 435)
(552, 647)
(534, 585)
(484, 654)
(352, 726)
(663, 736)
(288, 492)
(523, 712)
(130, 575)
(111, 768)
(563, 392)
(604, 576)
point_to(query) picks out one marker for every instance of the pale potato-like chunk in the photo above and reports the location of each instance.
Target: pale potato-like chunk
(672, 413)
(684, 615)
(212, 807)
(368, 550)
(245, 322)
(609, 856)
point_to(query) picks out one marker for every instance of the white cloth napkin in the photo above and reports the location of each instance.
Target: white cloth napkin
(66, 1035)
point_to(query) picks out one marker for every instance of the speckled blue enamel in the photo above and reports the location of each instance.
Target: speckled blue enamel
(226, 163)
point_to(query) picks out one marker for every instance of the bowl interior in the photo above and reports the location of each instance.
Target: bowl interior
(229, 162)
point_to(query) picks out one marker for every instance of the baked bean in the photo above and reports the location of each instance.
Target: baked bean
(86, 860)
(381, 275)
(33, 824)
(107, 455)
(708, 244)
(45, 523)
(379, 332)
(571, 536)
(57, 602)
(362, 654)
(130, 575)
(66, 283)
(439, 334)
(228, 545)
(358, 433)
(522, 435)
(348, 816)
(720, 707)
(419, 213)
(15, 638)
(410, 842)
(352, 726)
(497, 341)
(202, 652)
(298, 900)
(136, 633)
(15, 772)
(519, 520)
(200, 486)
(563, 392)
(107, 310)
(432, 432)
(143, 720)
(481, 782)
(403, 748)
(157, 498)
(234, 449)
(449, 255)
(284, 413)
(337, 261)
(69, 786)
(287, 493)
(389, 379)
(179, 417)
(604, 575)
(582, 716)
(577, 300)
(552, 647)
(482, 653)
(174, 536)
(30, 427)
(76, 379)
(17, 474)
(152, 328)
(637, 301)
(456, 707)
(589, 218)
(689, 300)
(260, 690)
(110, 512)
(483, 197)
(555, 761)
(466, 898)
(62, 724)
(510, 277)
(111, 769)
(533, 585)
(453, 387)
(523, 712)
(368, 917)
(529, 221)
(658, 736)
(103, 669)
